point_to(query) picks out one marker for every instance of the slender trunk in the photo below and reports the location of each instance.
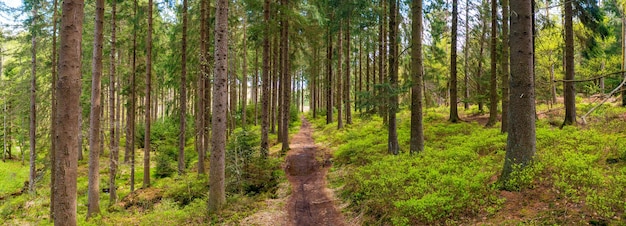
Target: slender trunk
(417, 130)
(201, 100)
(93, 205)
(130, 136)
(33, 101)
(255, 87)
(265, 82)
(382, 52)
(217, 193)
(339, 87)
(569, 87)
(68, 92)
(244, 78)
(146, 148)
(466, 52)
(274, 79)
(454, 115)
(286, 76)
(623, 54)
(53, 103)
(347, 79)
(113, 123)
(360, 83)
(183, 95)
(393, 146)
(329, 76)
(505, 66)
(493, 91)
(479, 70)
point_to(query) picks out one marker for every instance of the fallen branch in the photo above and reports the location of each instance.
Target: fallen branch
(591, 79)
(603, 101)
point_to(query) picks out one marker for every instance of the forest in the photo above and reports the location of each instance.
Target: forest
(313, 112)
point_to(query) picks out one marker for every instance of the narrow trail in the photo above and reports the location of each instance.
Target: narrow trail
(306, 167)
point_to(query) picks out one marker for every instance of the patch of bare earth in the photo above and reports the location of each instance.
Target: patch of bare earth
(306, 166)
(540, 205)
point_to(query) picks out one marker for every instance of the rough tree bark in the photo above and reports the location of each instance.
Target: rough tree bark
(53, 103)
(183, 94)
(493, 89)
(217, 193)
(346, 90)
(68, 91)
(201, 100)
(454, 113)
(505, 66)
(417, 127)
(286, 77)
(148, 108)
(33, 102)
(93, 197)
(113, 123)
(521, 142)
(329, 76)
(265, 81)
(339, 87)
(569, 87)
(394, 147)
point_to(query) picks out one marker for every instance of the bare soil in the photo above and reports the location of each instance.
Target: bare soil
(306, 166)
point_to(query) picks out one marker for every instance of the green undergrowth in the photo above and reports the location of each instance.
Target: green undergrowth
(171, 199)
(454, 179)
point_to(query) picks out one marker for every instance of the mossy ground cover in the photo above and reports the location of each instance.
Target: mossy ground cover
(581, 170)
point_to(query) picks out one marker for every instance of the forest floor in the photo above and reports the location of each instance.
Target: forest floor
(310, 203)
(305, 199)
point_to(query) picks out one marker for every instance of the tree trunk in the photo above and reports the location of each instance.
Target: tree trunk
(347, 79)
(624, 53)
(53, 103)
(200, 99)
(68, 91)
(417, 127)
(382, 50)
(113, 123)
(394, 147)
(255, 87)
(130, 135)
(339, 87)
(479, 70)
(265, 82)
(454, 114)
(148, 108)
(286, 76)
(244, 77)
(33, 102)
(274, 77)
(183, 95)
(505, 66)
(93, 200)
(217, 194)
(521, 136)
(360, 82)
(466, 52)
(493, 89)
(569, 86)
(329, 76)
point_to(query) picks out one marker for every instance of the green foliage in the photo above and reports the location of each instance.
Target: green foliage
(454, 176)
(522, 177)
(166, 155)
(184, 190)
(246, 171)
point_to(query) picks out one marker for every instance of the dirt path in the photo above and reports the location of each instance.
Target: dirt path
(306, 167)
